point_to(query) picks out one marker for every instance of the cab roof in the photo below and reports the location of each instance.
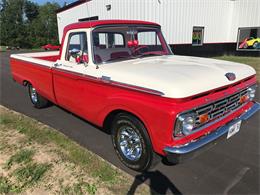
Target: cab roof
(94, 23)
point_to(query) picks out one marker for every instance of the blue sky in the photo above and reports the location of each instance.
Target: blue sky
(61, 2)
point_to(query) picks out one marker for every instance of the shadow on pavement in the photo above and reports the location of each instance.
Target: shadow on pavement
(158, 182)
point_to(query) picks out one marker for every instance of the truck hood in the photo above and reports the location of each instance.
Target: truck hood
(176, 76)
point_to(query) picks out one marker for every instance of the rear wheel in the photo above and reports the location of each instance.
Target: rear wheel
(132, 143)
(37, 100)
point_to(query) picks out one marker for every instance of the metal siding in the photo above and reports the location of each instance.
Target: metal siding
(246, 14)
(221, 18)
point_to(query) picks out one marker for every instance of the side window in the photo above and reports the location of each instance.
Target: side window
(108, 40)
(149, 41)
(102, 38)
(119, 40)
(148, 38)
(77, 48)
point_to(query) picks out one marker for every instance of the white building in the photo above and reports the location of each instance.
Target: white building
(189, 26)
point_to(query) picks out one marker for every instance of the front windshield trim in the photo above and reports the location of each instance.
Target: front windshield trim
(169, 51)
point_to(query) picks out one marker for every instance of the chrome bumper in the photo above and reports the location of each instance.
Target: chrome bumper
(179, 154)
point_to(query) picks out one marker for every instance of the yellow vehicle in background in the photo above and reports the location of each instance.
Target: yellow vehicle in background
(252, 42)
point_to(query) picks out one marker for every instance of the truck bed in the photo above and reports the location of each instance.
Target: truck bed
(40, 57)
(27, 68)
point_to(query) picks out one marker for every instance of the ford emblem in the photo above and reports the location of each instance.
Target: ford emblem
(230, 76)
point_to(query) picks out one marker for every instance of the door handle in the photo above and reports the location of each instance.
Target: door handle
(57, 64)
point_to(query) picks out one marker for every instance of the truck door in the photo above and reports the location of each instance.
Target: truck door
(68, 73)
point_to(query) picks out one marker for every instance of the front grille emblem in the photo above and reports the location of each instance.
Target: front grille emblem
(230, 76)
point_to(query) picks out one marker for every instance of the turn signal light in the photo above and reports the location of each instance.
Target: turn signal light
(243, 99)
(203, 118)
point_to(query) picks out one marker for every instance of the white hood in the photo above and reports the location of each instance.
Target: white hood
(176, 76)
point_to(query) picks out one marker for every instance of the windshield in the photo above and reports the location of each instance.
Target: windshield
(127, 42)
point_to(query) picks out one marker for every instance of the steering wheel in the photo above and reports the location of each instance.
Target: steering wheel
(137, 49)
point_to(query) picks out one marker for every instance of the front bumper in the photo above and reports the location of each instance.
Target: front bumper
(178, 154)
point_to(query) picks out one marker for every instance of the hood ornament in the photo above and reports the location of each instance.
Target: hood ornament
(230, 76)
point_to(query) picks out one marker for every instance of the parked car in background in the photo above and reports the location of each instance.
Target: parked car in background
(50, 47)
(122, 76)
(12, 47)
(249, 42)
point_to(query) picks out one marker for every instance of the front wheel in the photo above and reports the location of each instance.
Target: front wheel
(255, 45)
(37, 100)
(132, 143)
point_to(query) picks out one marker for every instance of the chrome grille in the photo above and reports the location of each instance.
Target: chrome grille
(220, 108)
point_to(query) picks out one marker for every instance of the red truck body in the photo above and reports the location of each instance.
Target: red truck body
(63, 88)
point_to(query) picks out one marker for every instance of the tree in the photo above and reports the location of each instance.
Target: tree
(12, 30)
(3, 5)
(45, 25)
(31, 10)
(26, 24)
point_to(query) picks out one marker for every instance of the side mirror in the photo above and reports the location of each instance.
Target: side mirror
(78, 56)
(74, 52)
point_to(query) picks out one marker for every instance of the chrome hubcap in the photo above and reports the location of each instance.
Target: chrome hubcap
(34, 95)
(130, 143)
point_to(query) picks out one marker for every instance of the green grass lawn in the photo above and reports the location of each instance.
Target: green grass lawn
(38, 159)
(2, 48)
(252, 61)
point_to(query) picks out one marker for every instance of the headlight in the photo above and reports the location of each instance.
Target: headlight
(251, 92)
(185, 124)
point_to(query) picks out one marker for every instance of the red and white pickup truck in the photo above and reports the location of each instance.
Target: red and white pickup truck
(122, 76)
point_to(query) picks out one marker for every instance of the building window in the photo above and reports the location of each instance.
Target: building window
(197, 36)
(248, 39)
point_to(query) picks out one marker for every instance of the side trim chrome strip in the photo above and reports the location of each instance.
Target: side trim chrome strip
(106, 80)
(136, 88)
(75, 73)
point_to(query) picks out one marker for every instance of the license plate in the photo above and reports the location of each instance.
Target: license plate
(233, 129)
